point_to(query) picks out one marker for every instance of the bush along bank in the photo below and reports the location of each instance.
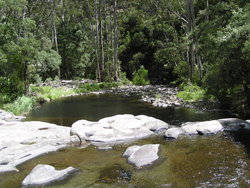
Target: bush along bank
(49, 91)
(157, 95)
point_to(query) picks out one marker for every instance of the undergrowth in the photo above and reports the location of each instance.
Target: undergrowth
(192, 93)
(40, 94)
(21, 105)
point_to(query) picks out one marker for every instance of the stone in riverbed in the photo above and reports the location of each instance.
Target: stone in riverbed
(204, 127)
(22, 141)
(117, 128)
(115, 174)
(46, 174)
(8, 116)
(195, 128)
(209, 127)
(132, 149)
(174, 132)
(142, 155)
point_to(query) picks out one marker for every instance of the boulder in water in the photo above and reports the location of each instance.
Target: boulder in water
(117, 128)
(46, 174)
(174, 132)
(195, 128)
(142, 155)
(22, 141)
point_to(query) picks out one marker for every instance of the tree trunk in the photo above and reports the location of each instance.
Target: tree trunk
(101, 39)
(54, 33)
(97, 43)
(190, 28)
(26, 78)
(116, 77)
(106, 46)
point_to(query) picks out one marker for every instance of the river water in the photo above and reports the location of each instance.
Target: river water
(220, 160)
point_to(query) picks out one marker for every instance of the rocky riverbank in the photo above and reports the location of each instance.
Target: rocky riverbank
(23, 141)
(161, 96)
(157, 95)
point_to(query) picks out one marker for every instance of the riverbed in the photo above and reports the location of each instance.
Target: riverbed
(220, 160)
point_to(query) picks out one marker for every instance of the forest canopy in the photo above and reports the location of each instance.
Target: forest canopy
(203, 42)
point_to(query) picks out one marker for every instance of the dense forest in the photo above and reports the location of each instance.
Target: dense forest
(205, 43)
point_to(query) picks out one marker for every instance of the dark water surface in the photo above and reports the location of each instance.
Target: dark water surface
(203, 161)
(94, 107)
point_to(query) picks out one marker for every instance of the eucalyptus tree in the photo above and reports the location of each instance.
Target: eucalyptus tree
(24, 53)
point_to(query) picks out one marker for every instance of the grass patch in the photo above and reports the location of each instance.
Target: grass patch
(21, 105)
(192, 93)
(84, 88)
(49, 93)
(24, 104)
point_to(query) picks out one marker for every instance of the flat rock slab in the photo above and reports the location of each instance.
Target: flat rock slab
(22, 141)
(46, 174)
(195, 128)
(117, 128)
(142, 155)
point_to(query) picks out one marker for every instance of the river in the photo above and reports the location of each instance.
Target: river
(220, 160)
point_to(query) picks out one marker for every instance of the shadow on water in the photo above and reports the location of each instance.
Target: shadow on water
(242, 137)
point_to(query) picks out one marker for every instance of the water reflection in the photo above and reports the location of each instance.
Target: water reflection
(94, 107)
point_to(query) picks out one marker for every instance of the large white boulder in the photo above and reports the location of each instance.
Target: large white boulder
(152, 123)
(45, 174)
(22, 141)
(142, 155)
(209, 127)
(117, 128)
(203, 127)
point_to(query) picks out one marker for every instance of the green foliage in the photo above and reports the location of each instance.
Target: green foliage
(141, 77)
(191, 93)
(149, 39)
(181, 70)
(4, 98)
(49, 93)
(124, 80)
(83, 88)
(21, 105)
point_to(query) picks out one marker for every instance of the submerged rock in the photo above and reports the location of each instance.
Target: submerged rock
(117, 128)
(22, 141)
(46, 174)
(142, 155)
(115, 174)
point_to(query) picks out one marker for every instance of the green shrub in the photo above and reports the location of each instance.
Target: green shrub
(123, 79)
(21, 105)
(192, 93)
(141, 77)
(4, 98)
(48, 93)
(83, 88)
